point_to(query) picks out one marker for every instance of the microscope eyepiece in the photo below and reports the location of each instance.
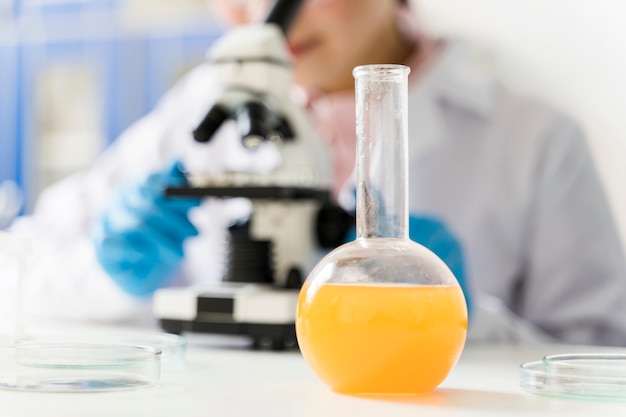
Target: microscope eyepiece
(283, 13)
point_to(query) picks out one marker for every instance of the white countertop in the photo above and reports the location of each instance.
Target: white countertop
(222, 379)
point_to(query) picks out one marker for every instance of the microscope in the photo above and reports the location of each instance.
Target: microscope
(293, 218)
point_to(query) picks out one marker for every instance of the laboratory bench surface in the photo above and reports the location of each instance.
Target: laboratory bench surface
(224, 379)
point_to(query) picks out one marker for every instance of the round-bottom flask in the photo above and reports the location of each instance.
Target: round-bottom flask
(381, 314)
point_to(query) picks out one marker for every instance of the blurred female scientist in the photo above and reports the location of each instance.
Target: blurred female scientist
(501, 187)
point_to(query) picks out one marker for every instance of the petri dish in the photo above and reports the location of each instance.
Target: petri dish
(597, 376)
(173, 347)
(78, 367)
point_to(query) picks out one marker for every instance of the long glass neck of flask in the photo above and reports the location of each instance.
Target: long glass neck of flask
(382, 151)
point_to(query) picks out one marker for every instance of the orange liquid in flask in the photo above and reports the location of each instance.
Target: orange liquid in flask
(369, 338)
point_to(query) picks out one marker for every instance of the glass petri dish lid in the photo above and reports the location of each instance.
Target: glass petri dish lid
(78, 367)
(173, 347)
(598, 376)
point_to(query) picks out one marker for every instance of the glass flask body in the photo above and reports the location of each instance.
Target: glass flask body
(381, 314)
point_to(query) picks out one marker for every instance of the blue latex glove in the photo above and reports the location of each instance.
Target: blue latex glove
(139, 237)
(434, 235)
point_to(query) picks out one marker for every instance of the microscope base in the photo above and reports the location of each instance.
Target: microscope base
(264, 336)
(262, 312)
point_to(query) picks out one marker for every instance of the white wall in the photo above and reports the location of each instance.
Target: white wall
(571, 53)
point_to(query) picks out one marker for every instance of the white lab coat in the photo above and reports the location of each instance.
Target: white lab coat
(516, 183)
(512, 179)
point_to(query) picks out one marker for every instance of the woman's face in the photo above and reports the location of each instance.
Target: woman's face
(331, 37)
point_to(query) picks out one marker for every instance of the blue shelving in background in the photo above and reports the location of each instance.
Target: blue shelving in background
(9, 105)
(130, 69)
